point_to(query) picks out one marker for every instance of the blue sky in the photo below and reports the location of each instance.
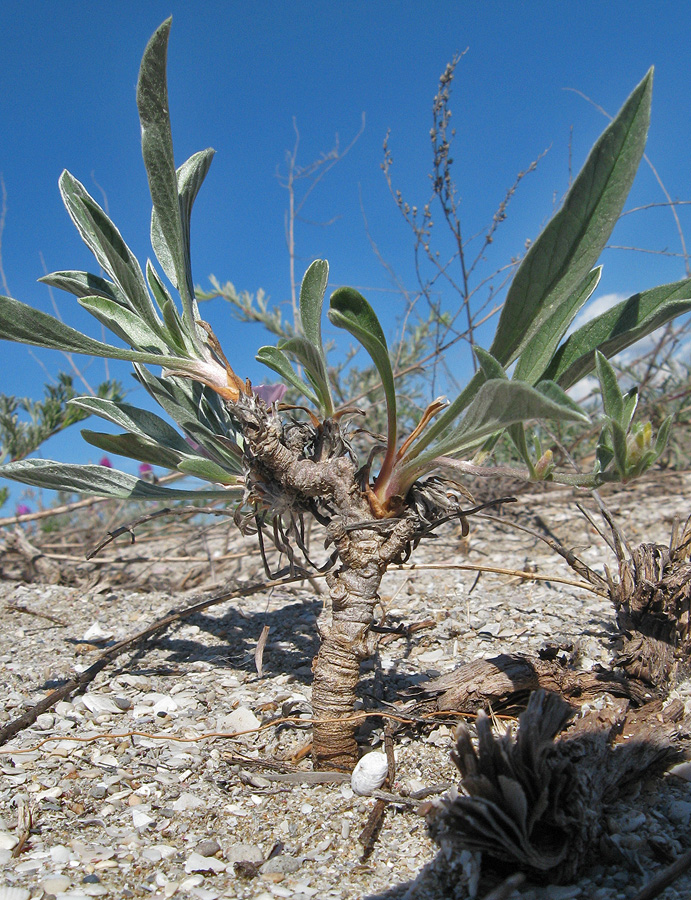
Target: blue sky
(240, 72)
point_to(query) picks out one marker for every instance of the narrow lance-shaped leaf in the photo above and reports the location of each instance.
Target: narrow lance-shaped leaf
(190, 177)
(97, 480)
(536, 355)
(157, 150)
(278, 361)
(313, 363)
(26, 325)
(125, 324)
(174, 331)
(497, 404)
(133, 446)
(571, 243)
(350, 310)
(312, 291)
(616, 329)
(612, 397)
(135, 420)
(106, 243)
(85, 284)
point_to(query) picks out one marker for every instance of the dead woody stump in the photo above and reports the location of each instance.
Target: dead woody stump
(653, 606)
(534, 801)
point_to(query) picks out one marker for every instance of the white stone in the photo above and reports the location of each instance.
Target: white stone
(187, 801)
(96, 633)
(54, 884)
(241, 719)
(141, 819)
(197, 863)
(8, 841)
(99, 704)
(369, 774)
(682, 770)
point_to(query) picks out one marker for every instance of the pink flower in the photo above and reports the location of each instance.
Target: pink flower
(22, 510)
(145, 469)
(106, 463)
(270, 393)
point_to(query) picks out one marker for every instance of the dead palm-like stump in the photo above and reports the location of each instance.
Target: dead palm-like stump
(653, 605)
(534, 801)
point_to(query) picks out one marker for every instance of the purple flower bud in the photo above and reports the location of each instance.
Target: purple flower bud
(106, 463)
(22, 510)
(145, 469)
(270, 393)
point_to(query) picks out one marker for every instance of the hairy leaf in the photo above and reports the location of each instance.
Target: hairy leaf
(612, 397)
(536, 355)
(616, 329)
(125, 324)
(570, 245)
(134, 420)
(106, 243)
(313, 362)
(497, 404)
(350, 310)
(133, 446)
(278, 361)
(312, 292)
(169, 238)
(97, 480)
(84, 284)
(21, 322)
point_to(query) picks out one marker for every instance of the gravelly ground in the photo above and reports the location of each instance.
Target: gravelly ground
(133, 793)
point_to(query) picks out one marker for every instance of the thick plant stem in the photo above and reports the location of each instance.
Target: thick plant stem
(346, 641)
(346, 638)
(336, 675)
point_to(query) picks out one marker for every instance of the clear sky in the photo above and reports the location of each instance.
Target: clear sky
(240, 72)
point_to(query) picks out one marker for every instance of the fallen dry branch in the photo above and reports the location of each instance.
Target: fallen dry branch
(669, 875)
(505, 682)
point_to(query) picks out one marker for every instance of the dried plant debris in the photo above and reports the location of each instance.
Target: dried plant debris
(653, 604)
(535, 800)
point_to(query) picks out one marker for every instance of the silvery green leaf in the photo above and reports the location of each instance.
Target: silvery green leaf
(196, 410)
(444, 424)
(612, 397)
(616, 329)
(490, 366)
(167, 232)
(133, 446)
(135, 420)
(313, 363)
(537, 353)
(84, 284)
(571, 243)
(26, 325)
(125, 324)
(97, 480)
(189, 177)
(174, 330)
(107, 245)
(205, 469)
(312, 291)
(348, 309)
(278, 361)
(552, 391)
(619, 447)
(497, 404)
